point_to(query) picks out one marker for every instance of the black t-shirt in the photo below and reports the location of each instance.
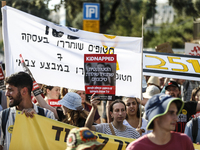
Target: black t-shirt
(185, 115)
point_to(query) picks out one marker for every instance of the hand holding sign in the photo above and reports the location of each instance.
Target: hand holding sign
(94, 101)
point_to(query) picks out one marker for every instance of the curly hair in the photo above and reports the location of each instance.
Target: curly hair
(73, 116)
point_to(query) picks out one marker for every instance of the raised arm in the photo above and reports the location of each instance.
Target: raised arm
(90, 119)
(108, 111)
(43, 104)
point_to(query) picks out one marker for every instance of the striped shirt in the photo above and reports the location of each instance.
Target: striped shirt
(129, 132)
(11, 119)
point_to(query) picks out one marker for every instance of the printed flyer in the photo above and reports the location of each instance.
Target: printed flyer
(100, 75)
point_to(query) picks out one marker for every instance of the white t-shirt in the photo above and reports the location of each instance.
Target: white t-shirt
(144, 125)
(129, 132)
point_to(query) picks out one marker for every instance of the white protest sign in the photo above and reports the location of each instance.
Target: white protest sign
(192, 49)
(55, 54)
(171, 65)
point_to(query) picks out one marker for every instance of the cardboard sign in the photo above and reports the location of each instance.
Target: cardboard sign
(164, 48)
(100, 72)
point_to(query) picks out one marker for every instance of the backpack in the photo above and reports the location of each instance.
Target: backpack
(194, 129)
(5, 114)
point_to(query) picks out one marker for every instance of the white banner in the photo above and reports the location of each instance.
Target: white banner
(55, 54)
(171, 65)
(192, 49)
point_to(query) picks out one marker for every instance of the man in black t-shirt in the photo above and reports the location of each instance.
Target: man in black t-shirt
(190, 107)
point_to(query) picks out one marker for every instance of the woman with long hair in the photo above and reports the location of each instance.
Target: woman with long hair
(116, 127)
(195, 96)
(133, 115)
(86, 104)
(73, 112)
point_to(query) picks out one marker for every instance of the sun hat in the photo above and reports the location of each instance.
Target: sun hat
(151, 91)
(154, 80)
(71, 101)
(82, 138)
(158, 105)
(172, 83)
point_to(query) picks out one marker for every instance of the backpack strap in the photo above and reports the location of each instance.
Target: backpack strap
(5, 114)
(111, 129)
(41, 111)
(194, 129)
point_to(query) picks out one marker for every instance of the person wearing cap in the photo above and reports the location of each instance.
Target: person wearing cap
(116, 127)
(72, 110)
(161, 111)
(82, 139)
(150, 91)
(190, 107)
(153, 80)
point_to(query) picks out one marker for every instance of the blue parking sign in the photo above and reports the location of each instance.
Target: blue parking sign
(91, 11)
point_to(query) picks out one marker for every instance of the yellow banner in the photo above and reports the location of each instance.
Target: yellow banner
(43, 133)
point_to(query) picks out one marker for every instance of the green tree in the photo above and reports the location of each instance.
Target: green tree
(177, 33)
(37, 8)
(117, 17)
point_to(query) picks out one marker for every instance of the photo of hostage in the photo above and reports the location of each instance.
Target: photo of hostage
(99, 74)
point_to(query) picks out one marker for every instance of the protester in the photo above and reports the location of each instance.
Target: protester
(162, 111)
(150, 91)
(154, 81)
(178, 81)
(116, 127)
(18, 90)
(192, 129)
(190, 107)
(133, 115)
(73, 111)
(51, 92)
(188, 86)
(195, 96)
(63, 91)
(3, 100)
(86, 105)
(82, 139)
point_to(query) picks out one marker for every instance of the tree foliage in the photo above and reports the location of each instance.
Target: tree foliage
(117, 17)
(37, 8)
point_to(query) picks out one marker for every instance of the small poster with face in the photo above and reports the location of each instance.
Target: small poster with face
(2, 77)
(100, 76)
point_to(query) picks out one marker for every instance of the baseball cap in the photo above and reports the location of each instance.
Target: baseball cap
(151, 91)
(158, 105)
(172, 83)
(72, 101)
(82, 138)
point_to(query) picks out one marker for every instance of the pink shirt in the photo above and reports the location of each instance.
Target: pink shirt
(179, 141)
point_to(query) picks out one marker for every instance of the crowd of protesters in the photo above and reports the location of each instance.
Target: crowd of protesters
(158, 121)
